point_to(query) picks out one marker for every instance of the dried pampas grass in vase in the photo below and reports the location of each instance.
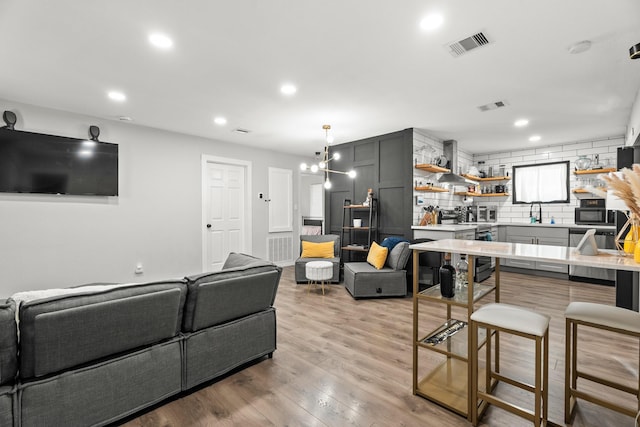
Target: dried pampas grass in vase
(626, 186)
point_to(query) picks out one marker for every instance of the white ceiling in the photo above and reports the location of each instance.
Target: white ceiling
(363, 66)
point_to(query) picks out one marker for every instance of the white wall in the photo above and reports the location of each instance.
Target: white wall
(60, 241)
(633, 128)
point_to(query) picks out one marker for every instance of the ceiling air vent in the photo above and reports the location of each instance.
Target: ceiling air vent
(493, 106)
(465, 45)
(241, 131)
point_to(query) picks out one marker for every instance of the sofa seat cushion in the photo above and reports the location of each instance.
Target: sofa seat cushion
(96, 322)
(7, 405)
(363, 280)
(8, 343)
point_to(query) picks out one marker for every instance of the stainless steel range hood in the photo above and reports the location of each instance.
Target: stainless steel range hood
(450, 150)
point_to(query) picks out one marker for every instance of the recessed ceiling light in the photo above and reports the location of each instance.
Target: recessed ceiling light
(117, 96)
(220, 121)
(521, 122)
(288, 89)
(535, 138)
(160, 40)
(431, 22)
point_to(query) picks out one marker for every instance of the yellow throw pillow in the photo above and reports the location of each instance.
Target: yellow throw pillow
(317, 250)
(377, 255)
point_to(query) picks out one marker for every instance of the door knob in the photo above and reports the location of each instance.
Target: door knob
(208, 225)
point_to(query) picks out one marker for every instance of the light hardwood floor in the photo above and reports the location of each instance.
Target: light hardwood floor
(343, 362)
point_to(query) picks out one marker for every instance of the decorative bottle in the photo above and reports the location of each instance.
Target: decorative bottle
(462, 269)
(447, 278)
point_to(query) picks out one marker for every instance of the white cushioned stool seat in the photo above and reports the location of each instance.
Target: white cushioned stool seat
(605, 315)
(318, 271)
(512, 317)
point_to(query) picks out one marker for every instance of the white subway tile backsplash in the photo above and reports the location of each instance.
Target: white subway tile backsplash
(577, 146)
(617, 142)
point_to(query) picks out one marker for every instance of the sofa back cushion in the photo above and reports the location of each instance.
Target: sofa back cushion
(247, 285)
(89, 323)
(399, 256)
(8, 342)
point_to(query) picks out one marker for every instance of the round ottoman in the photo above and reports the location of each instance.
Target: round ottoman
(318, 271)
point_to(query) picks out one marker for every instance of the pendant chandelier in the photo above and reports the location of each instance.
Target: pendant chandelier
(323, 164)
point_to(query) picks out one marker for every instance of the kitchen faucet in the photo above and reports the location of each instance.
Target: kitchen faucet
(539, 216)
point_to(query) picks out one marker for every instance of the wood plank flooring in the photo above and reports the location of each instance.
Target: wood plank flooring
(344, 362)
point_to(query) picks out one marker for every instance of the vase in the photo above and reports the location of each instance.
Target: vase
(583, 162)
(630, 241)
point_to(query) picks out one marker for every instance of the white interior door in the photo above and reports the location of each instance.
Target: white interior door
(225, 212)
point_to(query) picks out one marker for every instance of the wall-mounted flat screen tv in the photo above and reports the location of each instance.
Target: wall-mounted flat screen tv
(48, 164)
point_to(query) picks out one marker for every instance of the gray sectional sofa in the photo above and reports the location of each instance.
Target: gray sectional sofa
(93, 354)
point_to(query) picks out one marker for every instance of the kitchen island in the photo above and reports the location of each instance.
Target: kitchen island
(448, 384)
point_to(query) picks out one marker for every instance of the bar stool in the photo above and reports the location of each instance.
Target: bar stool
(604, 317)
(517, 321)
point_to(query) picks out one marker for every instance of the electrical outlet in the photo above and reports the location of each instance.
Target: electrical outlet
(139, 269)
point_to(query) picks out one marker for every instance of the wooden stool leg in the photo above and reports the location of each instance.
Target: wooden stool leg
(567, 372)
(545, 379)
(538, 383)
(473, 358)
(488, 372)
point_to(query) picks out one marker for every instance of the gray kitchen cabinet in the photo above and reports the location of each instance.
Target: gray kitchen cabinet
(537, 235)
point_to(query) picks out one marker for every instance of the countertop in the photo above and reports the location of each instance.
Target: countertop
(446, 227)
(473, 225)
(553, 254)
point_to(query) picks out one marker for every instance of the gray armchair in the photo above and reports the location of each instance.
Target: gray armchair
(301, 262)
(363, 280)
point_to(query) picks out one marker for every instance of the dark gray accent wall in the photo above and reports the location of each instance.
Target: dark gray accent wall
(383, 163)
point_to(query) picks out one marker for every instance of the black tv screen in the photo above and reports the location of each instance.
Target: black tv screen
(49, 164)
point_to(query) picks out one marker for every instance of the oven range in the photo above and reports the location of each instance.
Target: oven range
(484, 265)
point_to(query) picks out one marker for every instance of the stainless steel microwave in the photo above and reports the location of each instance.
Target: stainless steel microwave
(594, 216)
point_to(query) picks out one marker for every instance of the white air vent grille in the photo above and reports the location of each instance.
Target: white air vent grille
(280, 249)
(493, 106)
(465, 45)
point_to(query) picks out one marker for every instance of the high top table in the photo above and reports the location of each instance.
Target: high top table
(449, 383)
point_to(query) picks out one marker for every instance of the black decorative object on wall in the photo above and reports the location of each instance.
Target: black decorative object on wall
(94, 132)
(9, 118)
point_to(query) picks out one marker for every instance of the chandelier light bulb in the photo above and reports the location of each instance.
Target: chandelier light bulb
(314, 168)
(322, 165)
(303, 166)
(336, 156)
(327, 184)
(352, 174)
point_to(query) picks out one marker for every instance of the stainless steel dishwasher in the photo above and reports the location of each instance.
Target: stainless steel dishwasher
(605, 239)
